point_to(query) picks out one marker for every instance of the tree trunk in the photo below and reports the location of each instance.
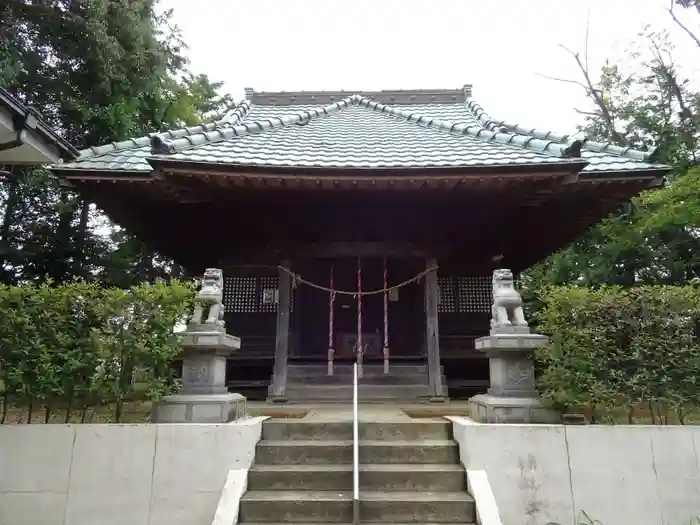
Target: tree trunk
(176, 271)
(652, 411)
(144, 268)
(80, 241)
(61, 268)
(13, 201)
(5, 402)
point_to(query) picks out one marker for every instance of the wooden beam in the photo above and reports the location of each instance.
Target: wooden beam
(279, 384)
(432, 333)
(361, 249)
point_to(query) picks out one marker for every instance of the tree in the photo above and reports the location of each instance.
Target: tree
(99, 71)
(646, 103)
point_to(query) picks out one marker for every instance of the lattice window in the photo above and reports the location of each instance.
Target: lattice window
(240, 295)
(474, 294)
(252, 294)
(447, 302)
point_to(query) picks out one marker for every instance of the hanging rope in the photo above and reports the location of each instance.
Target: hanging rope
(300, 280)
(330, 312)
(360, 347)
(386, 307)
(331, 304)
(385, 350)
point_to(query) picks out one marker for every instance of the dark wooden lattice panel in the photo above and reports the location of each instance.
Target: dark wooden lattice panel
(447, 302)
(474, 294)
(247, 294)
(240, 295)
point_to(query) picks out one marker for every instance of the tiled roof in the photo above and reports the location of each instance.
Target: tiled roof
(602, 157)
(382, 130)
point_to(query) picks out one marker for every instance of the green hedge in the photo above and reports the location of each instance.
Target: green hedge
(79, 346)
(635, 347)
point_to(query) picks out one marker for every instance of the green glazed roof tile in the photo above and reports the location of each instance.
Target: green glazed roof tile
(357, 132)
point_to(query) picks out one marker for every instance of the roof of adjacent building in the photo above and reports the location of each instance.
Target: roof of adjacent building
(25, 120)
(401, 129)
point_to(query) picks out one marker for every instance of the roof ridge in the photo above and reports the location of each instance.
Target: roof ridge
(159, 146)
(542, 146)
(387, 96)
(232, 117)
(599, 147)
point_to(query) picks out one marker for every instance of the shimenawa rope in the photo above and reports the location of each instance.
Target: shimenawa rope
(299, 279)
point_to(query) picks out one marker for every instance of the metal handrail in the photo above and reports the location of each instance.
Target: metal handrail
(355, 451)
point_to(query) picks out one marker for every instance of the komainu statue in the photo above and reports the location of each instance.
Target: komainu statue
(507, 309)
(210, 299)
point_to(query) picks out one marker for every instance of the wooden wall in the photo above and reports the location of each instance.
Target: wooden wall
(463, 310)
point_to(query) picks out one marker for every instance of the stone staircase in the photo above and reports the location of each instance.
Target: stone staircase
(406, 383)
(409, 473)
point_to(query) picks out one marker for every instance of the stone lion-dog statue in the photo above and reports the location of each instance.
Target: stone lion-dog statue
(507, 308)
(210, 297)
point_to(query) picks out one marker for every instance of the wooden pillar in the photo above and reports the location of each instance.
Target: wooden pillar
(279, 384)
(432, 332)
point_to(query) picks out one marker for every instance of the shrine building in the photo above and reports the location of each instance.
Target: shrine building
(411, 196)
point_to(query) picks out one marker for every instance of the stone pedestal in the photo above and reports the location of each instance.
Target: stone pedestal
(486, 408)
(195, 408)
(203, 397)
(512, 396)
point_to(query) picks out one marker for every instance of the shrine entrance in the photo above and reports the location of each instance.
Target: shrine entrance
(392, 319)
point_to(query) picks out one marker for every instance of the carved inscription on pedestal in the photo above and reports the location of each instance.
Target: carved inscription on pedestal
(520, 374)
(197, 374)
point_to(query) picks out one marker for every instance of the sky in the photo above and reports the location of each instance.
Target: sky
(502, 47)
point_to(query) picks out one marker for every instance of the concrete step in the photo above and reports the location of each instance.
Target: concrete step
(284, 429)
(281, 506)
(299, 392)
(408, 477)
(293, 507)
(417, 507)
(300, 477)
(300, 452)
(435, 478)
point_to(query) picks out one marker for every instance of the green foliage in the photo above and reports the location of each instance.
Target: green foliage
(657, 241)
(79, 345)
(643, 100)
(99, 71)
(613, 345)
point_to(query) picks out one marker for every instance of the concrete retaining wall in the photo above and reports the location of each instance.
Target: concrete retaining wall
(119, 474)
(619, 475)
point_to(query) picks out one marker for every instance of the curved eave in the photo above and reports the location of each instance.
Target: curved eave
(166, 164)
(656, 176)
(74, 173)
(530, 214)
